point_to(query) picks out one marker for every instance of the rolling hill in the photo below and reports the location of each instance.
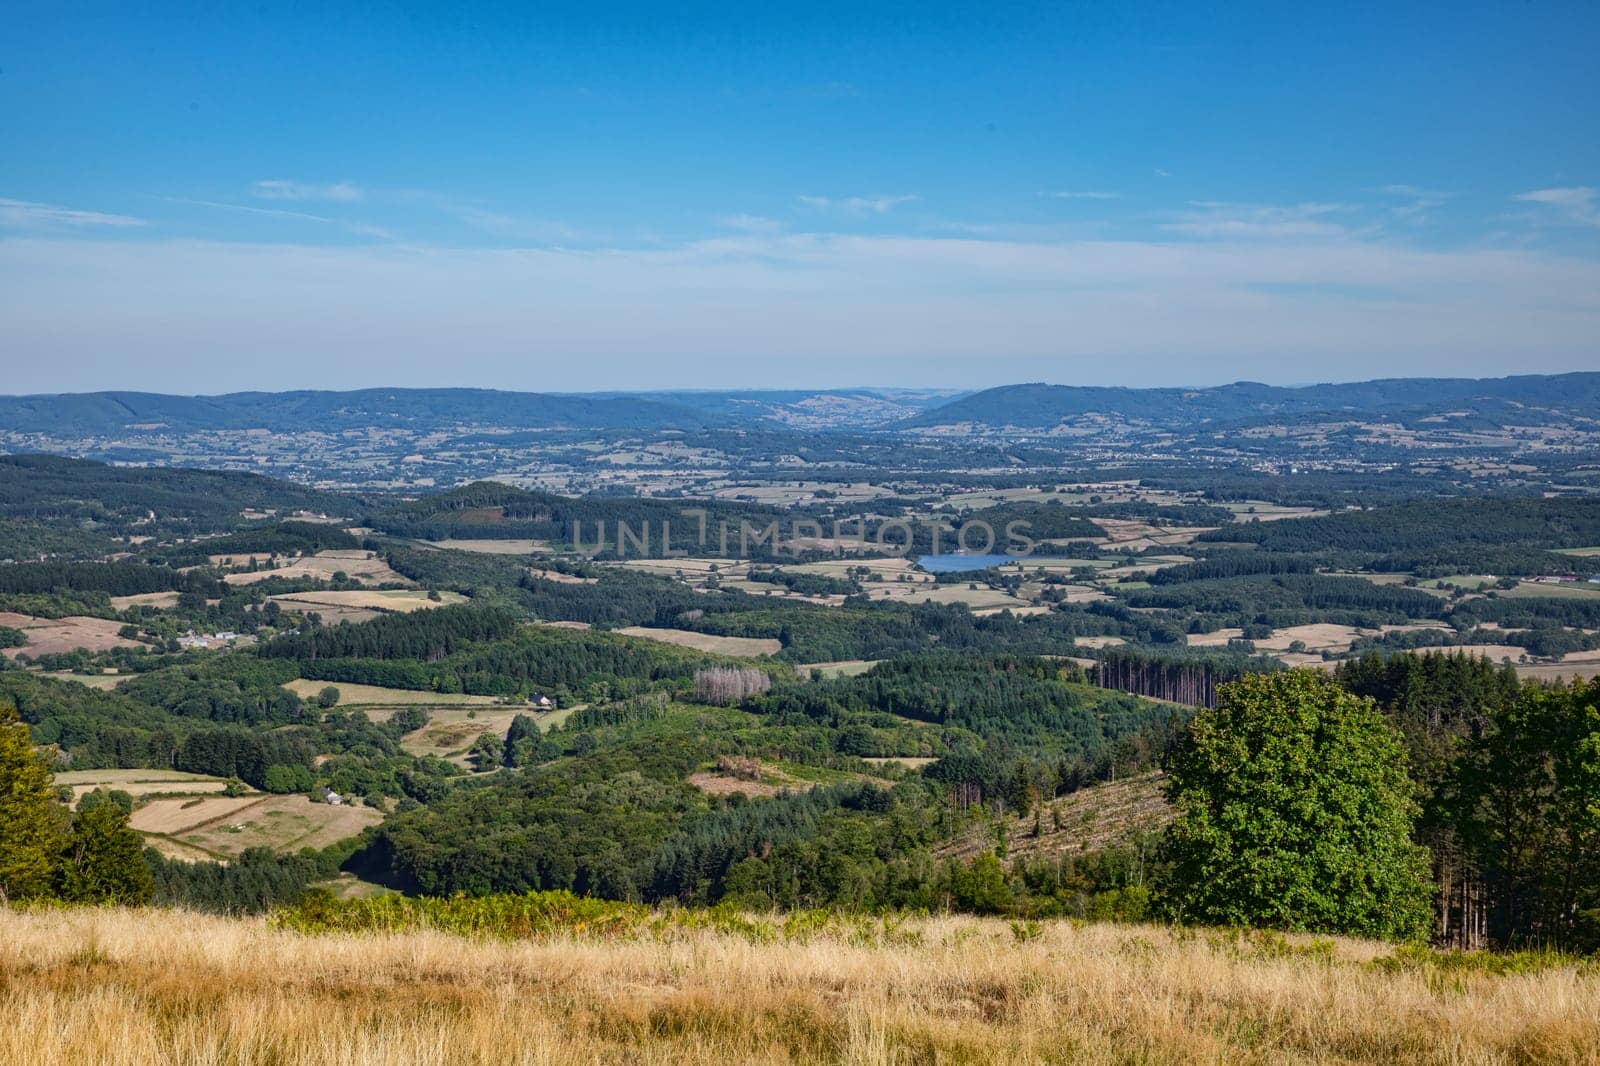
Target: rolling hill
(1524, 400)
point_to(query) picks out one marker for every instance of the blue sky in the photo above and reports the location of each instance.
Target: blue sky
(203, 198)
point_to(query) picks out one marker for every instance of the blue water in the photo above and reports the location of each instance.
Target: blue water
(960, 564)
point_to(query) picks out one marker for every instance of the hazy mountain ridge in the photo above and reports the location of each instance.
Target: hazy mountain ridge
(1521, 400)
(1526, 399)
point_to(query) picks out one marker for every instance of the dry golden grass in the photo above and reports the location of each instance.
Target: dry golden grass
(54, 636)
(145, 987)
(744, 647)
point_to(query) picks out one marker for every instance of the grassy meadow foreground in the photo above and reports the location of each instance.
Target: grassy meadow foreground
(149, 986)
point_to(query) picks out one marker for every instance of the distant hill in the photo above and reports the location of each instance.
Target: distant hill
(119, 413)
(286, 412)
(81, 494)
(812, 408)
(1524, 400)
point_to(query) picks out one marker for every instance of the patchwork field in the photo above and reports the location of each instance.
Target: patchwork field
(139, 782)
(1142, 536)
(742, 647)
(367, 568)
(180, 814)
(228, 825)
(52, 636)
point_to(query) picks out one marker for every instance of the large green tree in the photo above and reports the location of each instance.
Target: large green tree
(30, 820)
(104, 858)
(1295, 811)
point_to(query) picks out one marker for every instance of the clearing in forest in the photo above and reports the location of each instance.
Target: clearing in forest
(740, 647)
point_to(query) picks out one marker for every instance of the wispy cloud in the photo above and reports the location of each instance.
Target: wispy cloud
(517, 228)
(361, 229)
(1412, 203)
(751, 223)
(1215, 219)
(23, 214)
(857, 205)
(338, 192)
(1066, 194)
(1579, 204)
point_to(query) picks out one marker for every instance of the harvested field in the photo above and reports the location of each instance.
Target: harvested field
(1215, 639)
(561, 579)
(367, 568)
(1494, 652)
(977, 599)
(1565, 670)
(401, 600)
(1142, 536)
(145, 599)
(843, 668)
(283, 823)
(450, 732)
(743, 647)
(910, 762)
(53, 636)
(171, 817)
(689, 567)
(1546, 590)
(369, 695)
(493, 547)
(102, 682)
(139, 782)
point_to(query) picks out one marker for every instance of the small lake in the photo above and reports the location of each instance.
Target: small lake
(960, 564)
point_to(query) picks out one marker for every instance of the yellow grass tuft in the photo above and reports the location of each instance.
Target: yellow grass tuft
(144, 987)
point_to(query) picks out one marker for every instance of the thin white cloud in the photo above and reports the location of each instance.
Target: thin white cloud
(338, 192)
(359, 228)
(1076, 195)
(1412, 203)
(857, 205)
(24, 214)
(516, 228)
(751, 223)
(1579, 204)
(1214, 219)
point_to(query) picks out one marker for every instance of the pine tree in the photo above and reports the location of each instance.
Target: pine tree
(30, 821)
